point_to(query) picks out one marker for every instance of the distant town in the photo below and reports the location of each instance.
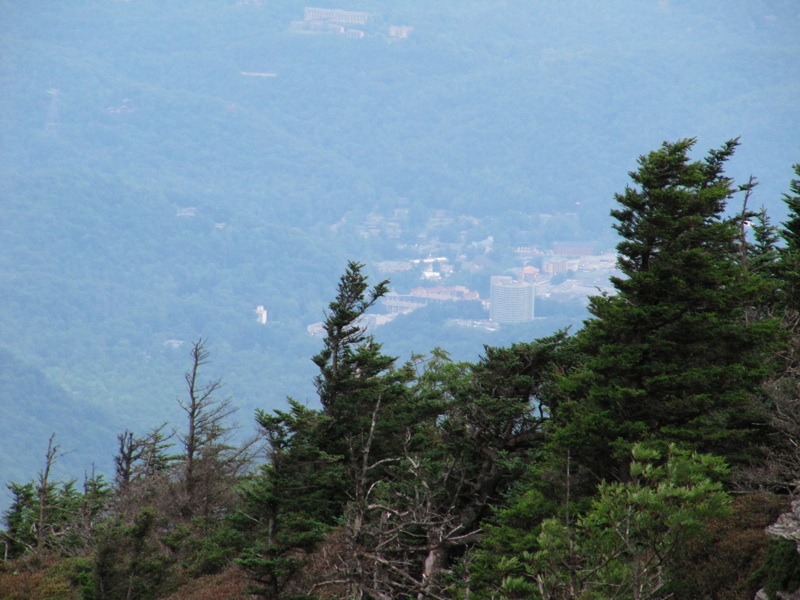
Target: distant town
(429, 263)
(517, 277)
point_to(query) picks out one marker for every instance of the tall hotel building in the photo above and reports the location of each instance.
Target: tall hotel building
(511, 301)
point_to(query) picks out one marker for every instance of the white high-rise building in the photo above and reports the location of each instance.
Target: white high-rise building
(511, 301)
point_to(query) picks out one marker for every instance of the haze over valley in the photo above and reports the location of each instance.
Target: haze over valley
(168, 168)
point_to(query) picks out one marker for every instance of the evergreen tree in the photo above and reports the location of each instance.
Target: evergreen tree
(477, 427)
(672, 355)
(406, 461)
(322, 464)
(763, 251)
(340, 361)
(287, 507)
(789, 259)
(20, 518)
(361, 393)
(782, 408)
(46, 515)
(130, 561)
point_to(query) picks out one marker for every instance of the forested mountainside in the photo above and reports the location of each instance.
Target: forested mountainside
(652, 454)
(168, 167)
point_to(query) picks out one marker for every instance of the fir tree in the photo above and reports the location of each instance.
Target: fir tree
(789, 259)
(358, 386)
(287, 508)
(672, 355)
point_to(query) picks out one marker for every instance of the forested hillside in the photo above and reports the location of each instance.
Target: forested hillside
(165, 168)
(643, 457)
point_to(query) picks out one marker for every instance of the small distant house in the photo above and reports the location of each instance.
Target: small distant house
(397, 31)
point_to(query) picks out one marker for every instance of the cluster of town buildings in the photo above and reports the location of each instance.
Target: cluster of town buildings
(347, 23)
(512, 298)
(558, 271)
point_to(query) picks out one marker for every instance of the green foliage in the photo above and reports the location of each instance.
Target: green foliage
(47, 516)
(350, 361)
(477, 427)
(75, 578)
(781, 569)
(789, 263)
(763, 253)
(406, 460)
(19, 520)
(215, 551)
(129, 560)
(319, 460)
(344, 330)
(626, 544)
(546, 490)
(674, 355)
(287, 507)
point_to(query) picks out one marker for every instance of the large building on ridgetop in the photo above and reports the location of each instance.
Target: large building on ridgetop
(335, 15)
(511, 301)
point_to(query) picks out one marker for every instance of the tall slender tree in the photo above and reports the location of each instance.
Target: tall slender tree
(333, 456)
(789, 259)
(782, 409)
(211, 462)
(358, 385)
(347, 346)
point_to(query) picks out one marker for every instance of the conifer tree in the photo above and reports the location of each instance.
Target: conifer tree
(287, 507)
(322, 463)
(763, 251)
(477, 426)
(782, 408)
(671, 356)
(348, 353)
(358, 386)
(789, 259)
(20, 533)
